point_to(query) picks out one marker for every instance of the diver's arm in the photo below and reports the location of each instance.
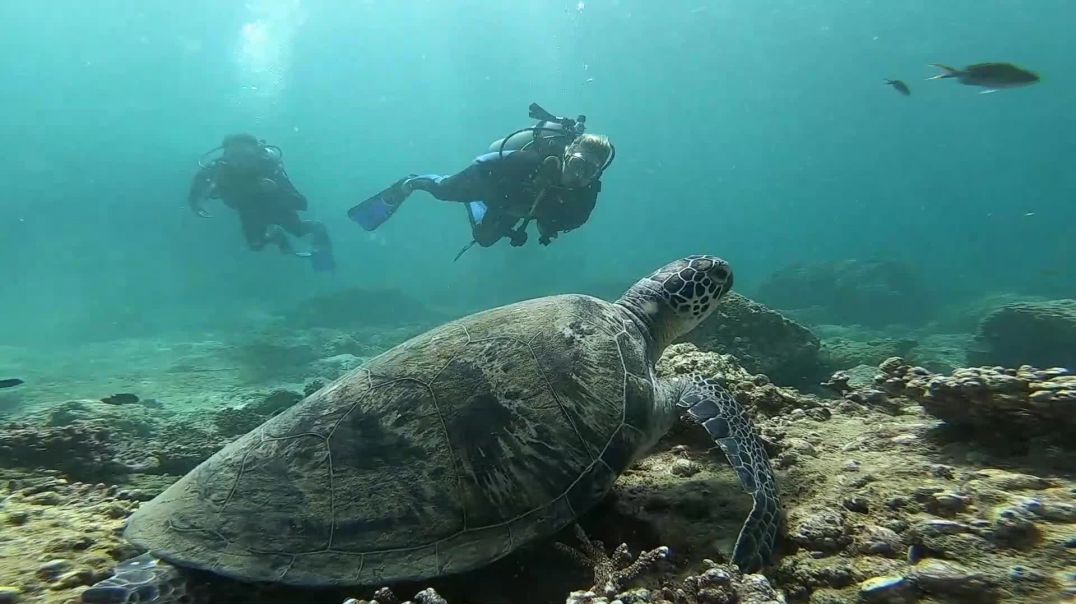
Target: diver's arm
(296, 199)
(569, 212)
(201, 187)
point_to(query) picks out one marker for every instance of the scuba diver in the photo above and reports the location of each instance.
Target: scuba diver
(549, 173)
(249, 177)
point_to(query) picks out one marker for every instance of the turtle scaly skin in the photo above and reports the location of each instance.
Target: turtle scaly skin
(453, 449)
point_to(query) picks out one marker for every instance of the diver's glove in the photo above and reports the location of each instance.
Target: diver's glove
(517, 238)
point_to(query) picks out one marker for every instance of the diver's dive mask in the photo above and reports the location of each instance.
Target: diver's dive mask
(579, 170)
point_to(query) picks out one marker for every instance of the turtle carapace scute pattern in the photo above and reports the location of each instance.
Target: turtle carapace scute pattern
(455, 448)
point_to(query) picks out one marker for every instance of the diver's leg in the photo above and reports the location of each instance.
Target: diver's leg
(371, 213)
(276, 235)
(492, 228)
(297, 227)
(271, 225)
(321, 253)
(289, 221)
(469, 184)
(319, 234)
(466, 186)
(254, 227)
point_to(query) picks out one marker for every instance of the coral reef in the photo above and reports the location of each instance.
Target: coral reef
(715, 585)
(879, 509)
(611, 573)
(180, 444)
(385, 596)
(842, 353)
(58, 536)
(965, 315)
(11, 403)
(86, 440)
(755, 391)
(843, 347)
(272, 355)
(941, 352)
(871, 293)
(882, 506)
(330, 368)
(82, 451)
(93, 441)
(235, 421)
(1005, 405)
(762, 340)
(1042, 334)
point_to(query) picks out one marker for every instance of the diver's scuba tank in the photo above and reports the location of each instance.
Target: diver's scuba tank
(547, 137)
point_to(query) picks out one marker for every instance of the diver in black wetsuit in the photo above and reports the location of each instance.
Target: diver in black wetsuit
(249, 177)
(552, 179)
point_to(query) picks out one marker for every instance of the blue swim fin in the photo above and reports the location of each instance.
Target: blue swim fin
(373, 212)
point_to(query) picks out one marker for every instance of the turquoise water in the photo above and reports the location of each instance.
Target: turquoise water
(761, 132)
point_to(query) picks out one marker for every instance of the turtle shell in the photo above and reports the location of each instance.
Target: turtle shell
(441, 455)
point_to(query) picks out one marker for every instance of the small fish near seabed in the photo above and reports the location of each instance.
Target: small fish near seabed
(991, 76)
(11, 383)
(899, 86)
(124, 398)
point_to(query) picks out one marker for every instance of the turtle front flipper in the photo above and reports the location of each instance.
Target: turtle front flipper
(711, 405)
(140, 580)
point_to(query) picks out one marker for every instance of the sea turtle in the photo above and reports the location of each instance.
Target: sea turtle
(453, 449)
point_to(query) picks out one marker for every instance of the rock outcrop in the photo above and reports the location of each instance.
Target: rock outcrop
(1042, 334)
(762, 340)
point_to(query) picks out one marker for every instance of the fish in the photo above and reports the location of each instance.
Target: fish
(991, 76)
(899, 86)
(124, 398)
(11, 383)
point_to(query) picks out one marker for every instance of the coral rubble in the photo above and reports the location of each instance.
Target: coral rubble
(1005, 404)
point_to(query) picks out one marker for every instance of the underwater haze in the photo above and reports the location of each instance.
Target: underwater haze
(760, 132)
(845, 229)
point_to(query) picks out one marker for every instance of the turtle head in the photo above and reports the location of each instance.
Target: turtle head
(672, 300)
